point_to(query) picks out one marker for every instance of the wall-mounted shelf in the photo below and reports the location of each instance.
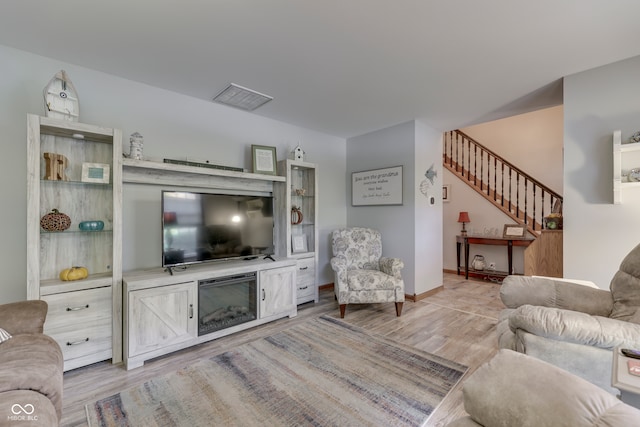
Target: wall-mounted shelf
(157, 173)
(625, 158)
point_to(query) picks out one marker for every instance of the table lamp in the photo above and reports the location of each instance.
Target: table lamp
(463, 217)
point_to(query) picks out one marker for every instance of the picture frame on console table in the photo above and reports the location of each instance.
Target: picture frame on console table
(515, 231)
(264, 159)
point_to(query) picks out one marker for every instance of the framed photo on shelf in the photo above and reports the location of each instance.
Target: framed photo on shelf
(264, 159)
(514, 230)
(95, 172)
(298, 243)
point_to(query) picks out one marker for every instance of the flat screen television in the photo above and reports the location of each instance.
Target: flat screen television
(201, 227)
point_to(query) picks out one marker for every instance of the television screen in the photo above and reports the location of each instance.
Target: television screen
(199, 227)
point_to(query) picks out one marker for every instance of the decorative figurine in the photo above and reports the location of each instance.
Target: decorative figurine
(55, 165)
(298, 153)
(137, 143)
(61, 99)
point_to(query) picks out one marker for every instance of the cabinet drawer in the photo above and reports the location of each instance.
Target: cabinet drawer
(82, 340)
(306, 270)
(305, 290)
(77, 308)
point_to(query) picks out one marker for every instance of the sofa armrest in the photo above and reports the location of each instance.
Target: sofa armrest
(546, 292)
(513, 389)
(392, 266)
(572, 326)
(23, 317)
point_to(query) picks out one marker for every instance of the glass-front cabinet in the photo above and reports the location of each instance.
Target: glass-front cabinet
(74, 227)
(298, 231)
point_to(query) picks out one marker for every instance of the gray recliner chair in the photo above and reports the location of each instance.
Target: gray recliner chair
(572, 326)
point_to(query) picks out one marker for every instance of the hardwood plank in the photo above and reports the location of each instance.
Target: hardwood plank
(457, 323)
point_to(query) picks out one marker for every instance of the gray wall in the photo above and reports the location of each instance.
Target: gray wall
(412, 231)
(173, 126)
(597, 233)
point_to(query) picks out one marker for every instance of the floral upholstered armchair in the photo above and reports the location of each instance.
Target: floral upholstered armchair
(362, 274)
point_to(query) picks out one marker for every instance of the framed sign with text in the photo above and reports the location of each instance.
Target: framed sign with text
(377, 187)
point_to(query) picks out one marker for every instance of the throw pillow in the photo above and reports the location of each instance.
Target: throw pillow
(4, 335)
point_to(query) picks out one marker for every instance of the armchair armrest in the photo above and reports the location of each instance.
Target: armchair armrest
(23, 317)
(575, 327)
(391, 266)
(547, 292)
(339, 266)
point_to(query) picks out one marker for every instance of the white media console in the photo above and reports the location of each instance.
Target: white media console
(166, 312)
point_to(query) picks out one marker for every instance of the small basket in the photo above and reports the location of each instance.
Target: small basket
(553, 223)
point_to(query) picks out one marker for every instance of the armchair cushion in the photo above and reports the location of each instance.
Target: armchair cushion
(359, 280)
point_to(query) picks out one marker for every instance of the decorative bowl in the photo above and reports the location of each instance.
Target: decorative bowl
(91, 225)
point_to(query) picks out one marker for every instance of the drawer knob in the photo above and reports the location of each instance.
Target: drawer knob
(78, 342)
(303, 288)
(304, 268)
(78, 308)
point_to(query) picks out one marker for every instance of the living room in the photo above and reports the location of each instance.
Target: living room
(597, 100)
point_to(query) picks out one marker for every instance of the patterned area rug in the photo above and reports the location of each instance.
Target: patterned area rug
(323, 372)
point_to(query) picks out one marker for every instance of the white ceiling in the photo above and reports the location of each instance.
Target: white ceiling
(343, 67)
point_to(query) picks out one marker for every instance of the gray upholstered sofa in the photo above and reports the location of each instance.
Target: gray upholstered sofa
(572, 326)
(513, 389)
(31, 367)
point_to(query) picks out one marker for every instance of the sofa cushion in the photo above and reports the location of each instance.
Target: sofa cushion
(32, 362)
(625, 288)
(513, 389)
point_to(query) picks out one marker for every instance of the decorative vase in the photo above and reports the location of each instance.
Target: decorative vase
(91, 225)
(136, 142)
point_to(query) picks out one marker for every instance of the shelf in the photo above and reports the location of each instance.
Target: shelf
(56, 286)
(76, 182)
(148, 172)
(75, 232)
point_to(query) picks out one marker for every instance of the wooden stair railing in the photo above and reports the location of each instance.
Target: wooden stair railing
(522, 197)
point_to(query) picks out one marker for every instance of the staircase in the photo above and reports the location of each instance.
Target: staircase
(520, 196)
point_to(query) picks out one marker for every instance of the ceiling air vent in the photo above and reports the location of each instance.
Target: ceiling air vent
(241, 97)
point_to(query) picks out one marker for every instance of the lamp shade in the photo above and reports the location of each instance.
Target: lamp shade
(463, 217)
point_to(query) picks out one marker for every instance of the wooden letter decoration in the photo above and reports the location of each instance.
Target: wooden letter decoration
(55, 167)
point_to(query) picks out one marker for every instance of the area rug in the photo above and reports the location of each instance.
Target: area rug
(322, 372)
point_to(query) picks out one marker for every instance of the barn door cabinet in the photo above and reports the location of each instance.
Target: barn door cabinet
(76, 169)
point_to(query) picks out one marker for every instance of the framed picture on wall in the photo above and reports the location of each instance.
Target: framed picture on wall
(446, 192)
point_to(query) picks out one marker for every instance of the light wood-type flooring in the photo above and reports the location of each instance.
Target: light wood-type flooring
(457, 323)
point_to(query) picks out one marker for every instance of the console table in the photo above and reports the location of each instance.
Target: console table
(482, 240)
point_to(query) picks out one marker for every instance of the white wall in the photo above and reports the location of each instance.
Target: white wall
(412, 231)
(173, 126)
(598, 234)
(533, 142)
